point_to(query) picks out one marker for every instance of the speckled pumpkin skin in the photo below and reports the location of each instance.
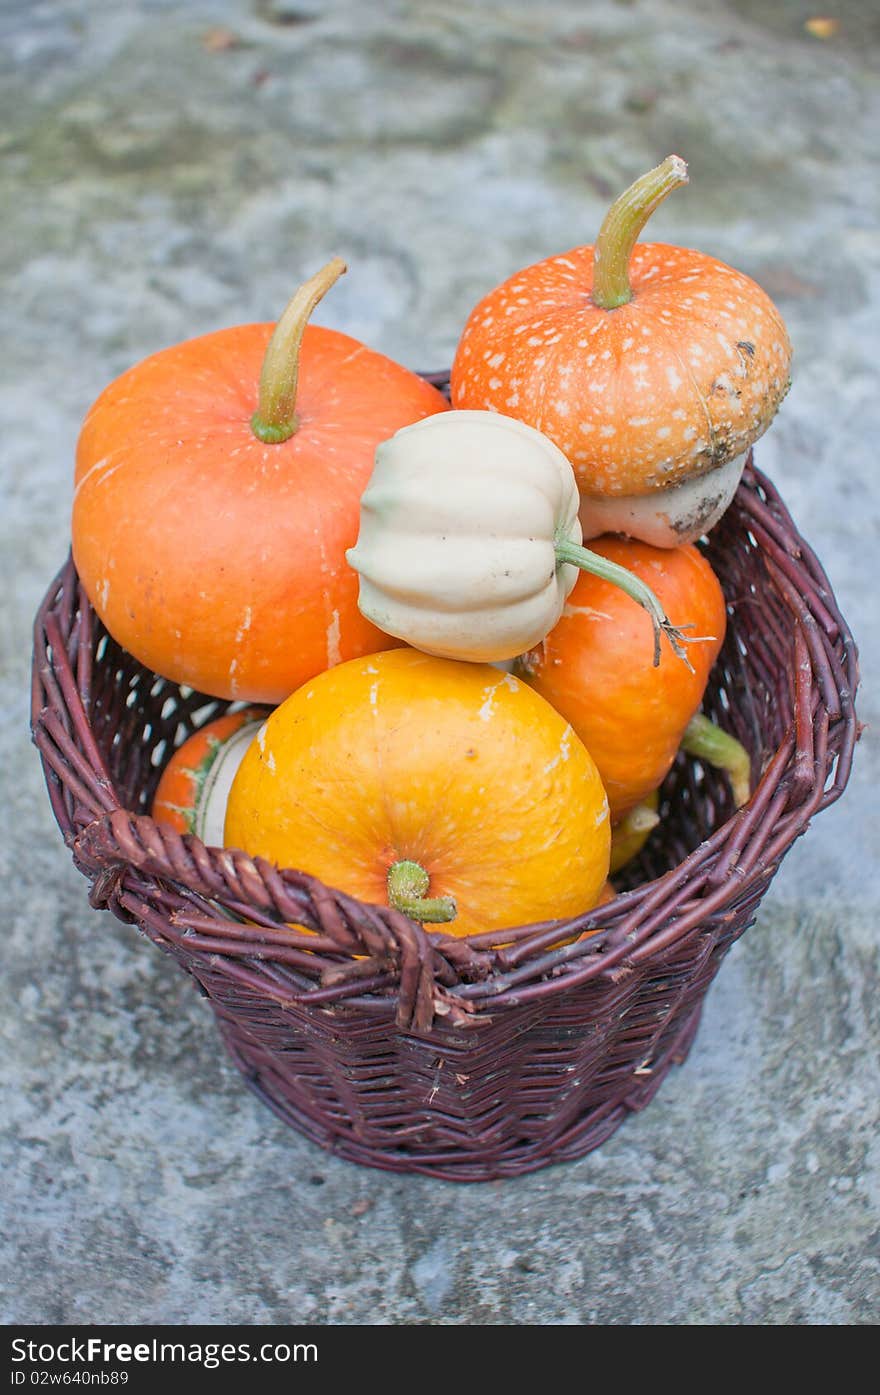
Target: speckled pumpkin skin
(456, 766)
(665, 388)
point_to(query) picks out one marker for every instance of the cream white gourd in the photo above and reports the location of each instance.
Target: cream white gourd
(470, 541)
(665, 517)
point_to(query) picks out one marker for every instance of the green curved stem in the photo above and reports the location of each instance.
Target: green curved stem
(407, 884)
(619, 232)
(275, 419)
(703, 739)
(638, 590)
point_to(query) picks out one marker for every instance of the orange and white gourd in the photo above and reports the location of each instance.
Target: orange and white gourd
(192, 792)
(654, 368)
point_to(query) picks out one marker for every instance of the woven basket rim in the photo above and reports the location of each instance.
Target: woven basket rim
(373, 958)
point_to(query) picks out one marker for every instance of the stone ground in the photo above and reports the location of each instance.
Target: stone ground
(169, 168)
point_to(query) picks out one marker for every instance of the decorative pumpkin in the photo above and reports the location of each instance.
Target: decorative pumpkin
(469, 539)
(194, 787)
(214, 503)
(593, 666)
(654, 368)
(448, 790)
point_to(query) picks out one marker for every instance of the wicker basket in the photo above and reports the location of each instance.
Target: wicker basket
(410, 1050)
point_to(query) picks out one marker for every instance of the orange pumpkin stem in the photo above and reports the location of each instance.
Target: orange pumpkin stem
(706, 741)
(407, 884)
(636, 589)
(275, 419)
(619, 232)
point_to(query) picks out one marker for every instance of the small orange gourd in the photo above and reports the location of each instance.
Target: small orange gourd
(449, 790)
(596, 665)
(218, 487)
(192, 791)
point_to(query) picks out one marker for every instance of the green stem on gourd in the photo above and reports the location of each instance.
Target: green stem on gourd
(703, 739)
(407, 884)
(619, 232)
(638, 590)
(275, 419)
(640, 819)
(630, 832)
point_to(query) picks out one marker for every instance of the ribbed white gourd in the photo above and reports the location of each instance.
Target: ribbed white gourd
(459, 526)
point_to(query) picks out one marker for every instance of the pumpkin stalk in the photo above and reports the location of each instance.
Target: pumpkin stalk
(706, 741)
(638, 590)
(629, 834)
(640, 819)
(275, 419)
(407, 884)
(620, 230)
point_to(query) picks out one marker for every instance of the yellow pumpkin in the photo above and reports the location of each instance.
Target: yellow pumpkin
(450, 790)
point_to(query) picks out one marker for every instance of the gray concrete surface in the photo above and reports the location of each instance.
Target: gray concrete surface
(169, 168)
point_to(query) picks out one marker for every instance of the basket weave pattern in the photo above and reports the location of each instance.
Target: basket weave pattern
(410, 1050)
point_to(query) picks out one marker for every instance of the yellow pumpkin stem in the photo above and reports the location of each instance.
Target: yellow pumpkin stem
(275, 419)
(706, 741)
(407, 884)
(619, 232)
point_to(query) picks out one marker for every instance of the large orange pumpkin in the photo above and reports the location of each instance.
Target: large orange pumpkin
(214, 554)
(447, 789)
(596, 665)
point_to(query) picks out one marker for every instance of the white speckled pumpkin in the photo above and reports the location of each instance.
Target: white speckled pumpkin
(654, 368)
